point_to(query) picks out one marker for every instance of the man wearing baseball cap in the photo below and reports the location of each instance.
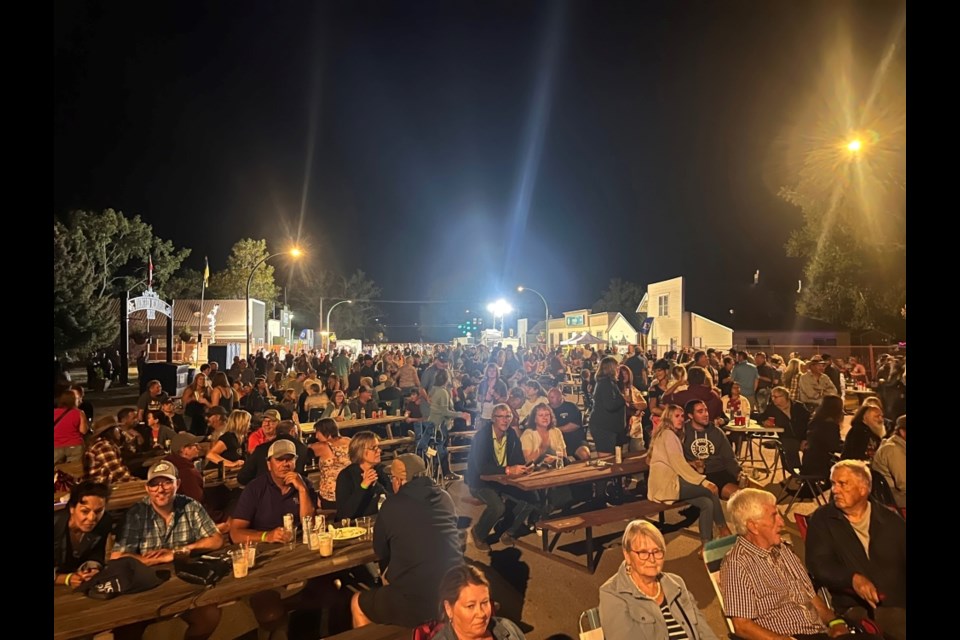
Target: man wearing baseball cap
(184, 450)
(165, 522)
(267, 431)
(256, 464)
(417, 540)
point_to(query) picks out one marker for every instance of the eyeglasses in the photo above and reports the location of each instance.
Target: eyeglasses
(502, 416)
(643, 554)
(157, 484)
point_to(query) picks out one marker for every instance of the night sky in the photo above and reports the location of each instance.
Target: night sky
(452, 150)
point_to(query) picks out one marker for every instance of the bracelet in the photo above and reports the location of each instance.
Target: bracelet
(363, 487)
(836, 622)
(66, 580)
(263, 537)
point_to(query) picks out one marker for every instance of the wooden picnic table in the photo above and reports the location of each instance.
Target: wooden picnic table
(276, 567)
(575, 473)
(308, 427)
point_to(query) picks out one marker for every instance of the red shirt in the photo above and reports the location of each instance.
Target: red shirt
(191, 482)
(66, 433)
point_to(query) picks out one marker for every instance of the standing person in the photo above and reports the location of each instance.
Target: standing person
(641, 602)
(441, 414)
(416, 539)
(724, 379)
(769, 377)
(636, 407)
(497, 450)
(608, 420)
(492, 391)
(747, 375)
(832, 371)
(671, 477)
(69, 427)
(793, 418)
(638, 366)
(80, 534)
(587, 388)
(362, 483)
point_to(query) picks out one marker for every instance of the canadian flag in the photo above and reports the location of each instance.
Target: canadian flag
(150, 272)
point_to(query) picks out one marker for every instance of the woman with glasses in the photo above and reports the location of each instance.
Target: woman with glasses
(641, 602)
(361, 484)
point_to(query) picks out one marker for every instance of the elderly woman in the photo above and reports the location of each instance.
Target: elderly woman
(466, 609)
(671, 477)
(361, 484)
(641, 602)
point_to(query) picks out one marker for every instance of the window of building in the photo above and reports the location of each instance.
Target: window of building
(698, 343)
(663, 305)
(600, 335)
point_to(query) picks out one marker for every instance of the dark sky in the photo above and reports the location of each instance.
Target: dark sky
(454, 149)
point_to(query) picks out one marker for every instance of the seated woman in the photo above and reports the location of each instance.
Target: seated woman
(735, 404)
(793, 418)
(867, 429)
(159, 431)
(227, 444)
(361, 484)
(641, 602)
(671, 477)
(823, 438)
(333, 456)
(80, 535)
(338, 409)
(542, 442)
(467, 609)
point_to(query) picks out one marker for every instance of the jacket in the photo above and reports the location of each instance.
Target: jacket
(834, 554)
(500, 629)
(483, 460)
(609, 410)
(667, 466)
(628, 614)
(823, 441)
(891, 461)
(353, 501)
(794, 427)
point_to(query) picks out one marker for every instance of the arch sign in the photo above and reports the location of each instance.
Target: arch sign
(151, 303)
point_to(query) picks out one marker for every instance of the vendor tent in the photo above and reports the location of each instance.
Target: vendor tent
(584, 338)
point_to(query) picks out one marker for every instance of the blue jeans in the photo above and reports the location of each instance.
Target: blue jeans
(710, 510)
(495, 508)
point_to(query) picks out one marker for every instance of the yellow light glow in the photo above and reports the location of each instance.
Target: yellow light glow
(295, 252)
(854, 146)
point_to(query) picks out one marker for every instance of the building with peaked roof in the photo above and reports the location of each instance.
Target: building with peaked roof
(673, 326)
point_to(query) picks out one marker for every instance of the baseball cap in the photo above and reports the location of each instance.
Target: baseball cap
(412, 465)
(443, 357)
(282, 448)
(163, 469)
(273, 414)
(183, 439)
(217, 411)
(815, 360)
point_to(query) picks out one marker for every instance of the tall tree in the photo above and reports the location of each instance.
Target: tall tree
(81, 321)
(851, 189)
(624, 297)
(231, 283)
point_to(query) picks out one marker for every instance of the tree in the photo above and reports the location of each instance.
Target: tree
(97, 257)
(231, 283)
(185, 283)
(851, 189)
(623, 297)
(348, 320)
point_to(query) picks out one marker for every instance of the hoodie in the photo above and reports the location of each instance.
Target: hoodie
(712, 447)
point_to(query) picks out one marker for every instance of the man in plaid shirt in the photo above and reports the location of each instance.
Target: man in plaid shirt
(102, 460)
(166, 522)
(766, 590)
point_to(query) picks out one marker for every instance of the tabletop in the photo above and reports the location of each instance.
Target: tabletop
(575, 473)
(752, 427)
(276, 566)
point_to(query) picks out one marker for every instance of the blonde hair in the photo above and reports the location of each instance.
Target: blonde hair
(238, 422)
(643, 528)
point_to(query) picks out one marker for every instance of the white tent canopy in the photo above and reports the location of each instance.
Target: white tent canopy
(584, 338)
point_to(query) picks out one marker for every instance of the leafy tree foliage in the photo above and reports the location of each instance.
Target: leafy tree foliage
(624, 297)
(185, 283)
(81, 320)
(231, 283)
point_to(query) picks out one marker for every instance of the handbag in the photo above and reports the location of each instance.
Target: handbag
(206, 572)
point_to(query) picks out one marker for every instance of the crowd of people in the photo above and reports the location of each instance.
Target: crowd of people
(516, 401)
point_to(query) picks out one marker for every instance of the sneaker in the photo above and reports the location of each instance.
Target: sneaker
(508, 540)
(451, 477)
(477, 542)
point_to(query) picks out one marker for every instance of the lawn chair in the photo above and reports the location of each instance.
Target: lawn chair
(713, 554)
(590, 628)
(811, 483)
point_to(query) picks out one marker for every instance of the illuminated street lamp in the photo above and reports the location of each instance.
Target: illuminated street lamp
(328, 319)
(294, 253)
(854, 146)
(546, 312)
(499, 308)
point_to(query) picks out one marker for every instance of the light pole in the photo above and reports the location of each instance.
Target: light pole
(295, 252)
(328, 318)
(546, 313)
(499, 308)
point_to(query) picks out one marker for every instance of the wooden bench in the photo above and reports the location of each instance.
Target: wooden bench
(590, 519)
(375, 632)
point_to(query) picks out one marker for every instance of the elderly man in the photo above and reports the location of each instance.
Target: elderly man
(496, 449)
(857, 548)
(766, 591)
(163, 523)
(267, 431)
(814, 384)
(417, 541)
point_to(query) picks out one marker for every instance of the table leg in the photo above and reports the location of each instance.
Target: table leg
(590, 558)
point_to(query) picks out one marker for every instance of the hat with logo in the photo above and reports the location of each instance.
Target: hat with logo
(282, 448)
(163, 469)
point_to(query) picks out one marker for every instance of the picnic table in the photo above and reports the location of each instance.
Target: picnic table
(276, 567)
(594, 470)
(357, 423)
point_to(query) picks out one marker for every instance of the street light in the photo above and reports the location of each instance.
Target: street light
(328, 318)
(546, 312)
(295, 253)
(499, 308)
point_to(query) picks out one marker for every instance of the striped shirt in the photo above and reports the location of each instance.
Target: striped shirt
(770, 587)
(674, 629)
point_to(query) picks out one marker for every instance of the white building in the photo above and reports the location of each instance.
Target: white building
(609, 326)
(674, 326)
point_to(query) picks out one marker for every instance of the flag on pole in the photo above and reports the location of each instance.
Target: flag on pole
(150, 272)
(206, 272)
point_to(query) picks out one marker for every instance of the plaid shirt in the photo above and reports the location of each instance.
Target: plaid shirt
(145, 530)
(103, 463)
(771, 588)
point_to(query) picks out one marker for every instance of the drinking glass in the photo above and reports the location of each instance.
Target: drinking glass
(239, 559)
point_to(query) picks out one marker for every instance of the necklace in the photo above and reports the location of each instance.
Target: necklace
(655, 596)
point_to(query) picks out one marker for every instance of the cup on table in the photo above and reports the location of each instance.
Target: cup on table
(251, 548)
(320, 523)
(345, 523)
(325, 544)
(240, 566)
(314, 540)
(363, 523)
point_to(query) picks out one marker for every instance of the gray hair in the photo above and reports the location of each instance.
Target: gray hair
(643, 528)
(856, 467)
(746, 505)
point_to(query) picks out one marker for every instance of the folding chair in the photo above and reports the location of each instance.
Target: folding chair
(713, 554)
(807, 482)
(590, 628)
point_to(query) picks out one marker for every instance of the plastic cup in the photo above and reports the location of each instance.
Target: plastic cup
(251, 554)
(325, 542)
(239, 559)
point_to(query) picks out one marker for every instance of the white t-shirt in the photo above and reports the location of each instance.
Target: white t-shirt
(530, 441)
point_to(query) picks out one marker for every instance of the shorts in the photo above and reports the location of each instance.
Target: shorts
(391, 605)
(721, 478)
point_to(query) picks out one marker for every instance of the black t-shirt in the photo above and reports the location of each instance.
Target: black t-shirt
(234, 449)
(768, 372)
(568, 412)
